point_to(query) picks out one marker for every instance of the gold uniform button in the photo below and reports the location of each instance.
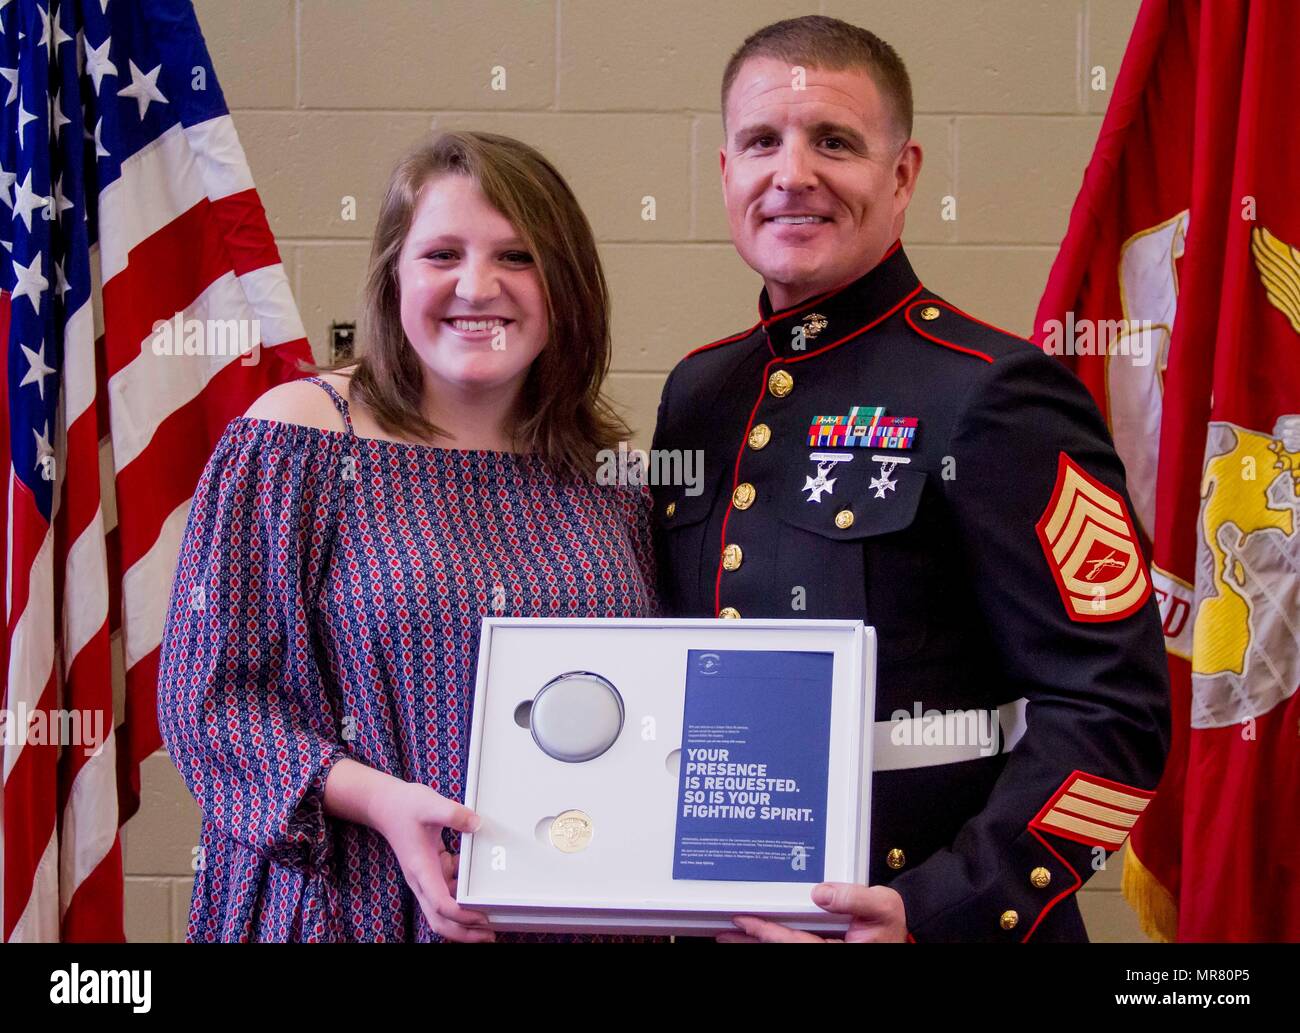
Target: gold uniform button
(929, 312)
(780, 383)
(732, 557)
(1009, 920)
(1039, 878)
(844, 519)
(743, 496)
(729, 612)
(672, 508)
(895, 859)
(760, 436)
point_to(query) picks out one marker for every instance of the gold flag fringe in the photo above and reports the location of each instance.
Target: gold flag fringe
(1156, 911)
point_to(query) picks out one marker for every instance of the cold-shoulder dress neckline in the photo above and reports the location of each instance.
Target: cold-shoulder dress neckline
(307, 431)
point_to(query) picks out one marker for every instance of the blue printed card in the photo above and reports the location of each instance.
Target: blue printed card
(751, 798)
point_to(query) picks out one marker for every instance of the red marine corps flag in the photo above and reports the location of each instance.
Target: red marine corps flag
(1176, 298)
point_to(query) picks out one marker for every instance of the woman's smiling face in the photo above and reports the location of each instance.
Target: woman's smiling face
(472, 302)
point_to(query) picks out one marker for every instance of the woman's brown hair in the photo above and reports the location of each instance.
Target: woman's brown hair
(561, 415)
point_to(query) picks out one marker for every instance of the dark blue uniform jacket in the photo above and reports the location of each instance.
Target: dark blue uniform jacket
(982, 525)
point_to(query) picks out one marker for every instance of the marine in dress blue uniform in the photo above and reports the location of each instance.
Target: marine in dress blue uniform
(875, 453)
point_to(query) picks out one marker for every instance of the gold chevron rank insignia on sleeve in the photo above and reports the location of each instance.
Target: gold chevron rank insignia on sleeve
(1279, 271)
(1093, 810)
(1092, 547)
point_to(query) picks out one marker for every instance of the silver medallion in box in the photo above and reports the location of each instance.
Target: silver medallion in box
(576, 716)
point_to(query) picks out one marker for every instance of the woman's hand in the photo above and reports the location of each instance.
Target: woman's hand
(411, 817)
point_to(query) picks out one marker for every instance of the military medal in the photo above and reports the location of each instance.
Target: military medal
(571, 831)
(866, 426)
(820, 484)
(884, 483)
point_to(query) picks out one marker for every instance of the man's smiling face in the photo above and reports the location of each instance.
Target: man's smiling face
(816, 180)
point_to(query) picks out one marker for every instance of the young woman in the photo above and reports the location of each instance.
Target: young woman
(352, 529)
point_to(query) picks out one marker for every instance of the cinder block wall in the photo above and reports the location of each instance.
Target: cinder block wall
(623, 96)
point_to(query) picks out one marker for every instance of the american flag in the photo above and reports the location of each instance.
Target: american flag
(130, 202)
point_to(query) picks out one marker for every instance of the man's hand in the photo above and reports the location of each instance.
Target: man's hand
(876, 915)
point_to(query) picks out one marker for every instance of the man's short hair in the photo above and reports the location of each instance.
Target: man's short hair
(816, 41)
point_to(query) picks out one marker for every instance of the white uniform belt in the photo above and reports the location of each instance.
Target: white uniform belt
(929, 737)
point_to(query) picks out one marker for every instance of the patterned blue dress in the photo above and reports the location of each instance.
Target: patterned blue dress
(326, 604)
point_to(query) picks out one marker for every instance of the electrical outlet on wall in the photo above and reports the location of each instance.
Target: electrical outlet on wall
(342, 340)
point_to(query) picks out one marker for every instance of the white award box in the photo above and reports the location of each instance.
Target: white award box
(580, 817)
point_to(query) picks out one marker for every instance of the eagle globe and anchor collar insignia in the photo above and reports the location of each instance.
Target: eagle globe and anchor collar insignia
(839, 315)
(809, 327)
